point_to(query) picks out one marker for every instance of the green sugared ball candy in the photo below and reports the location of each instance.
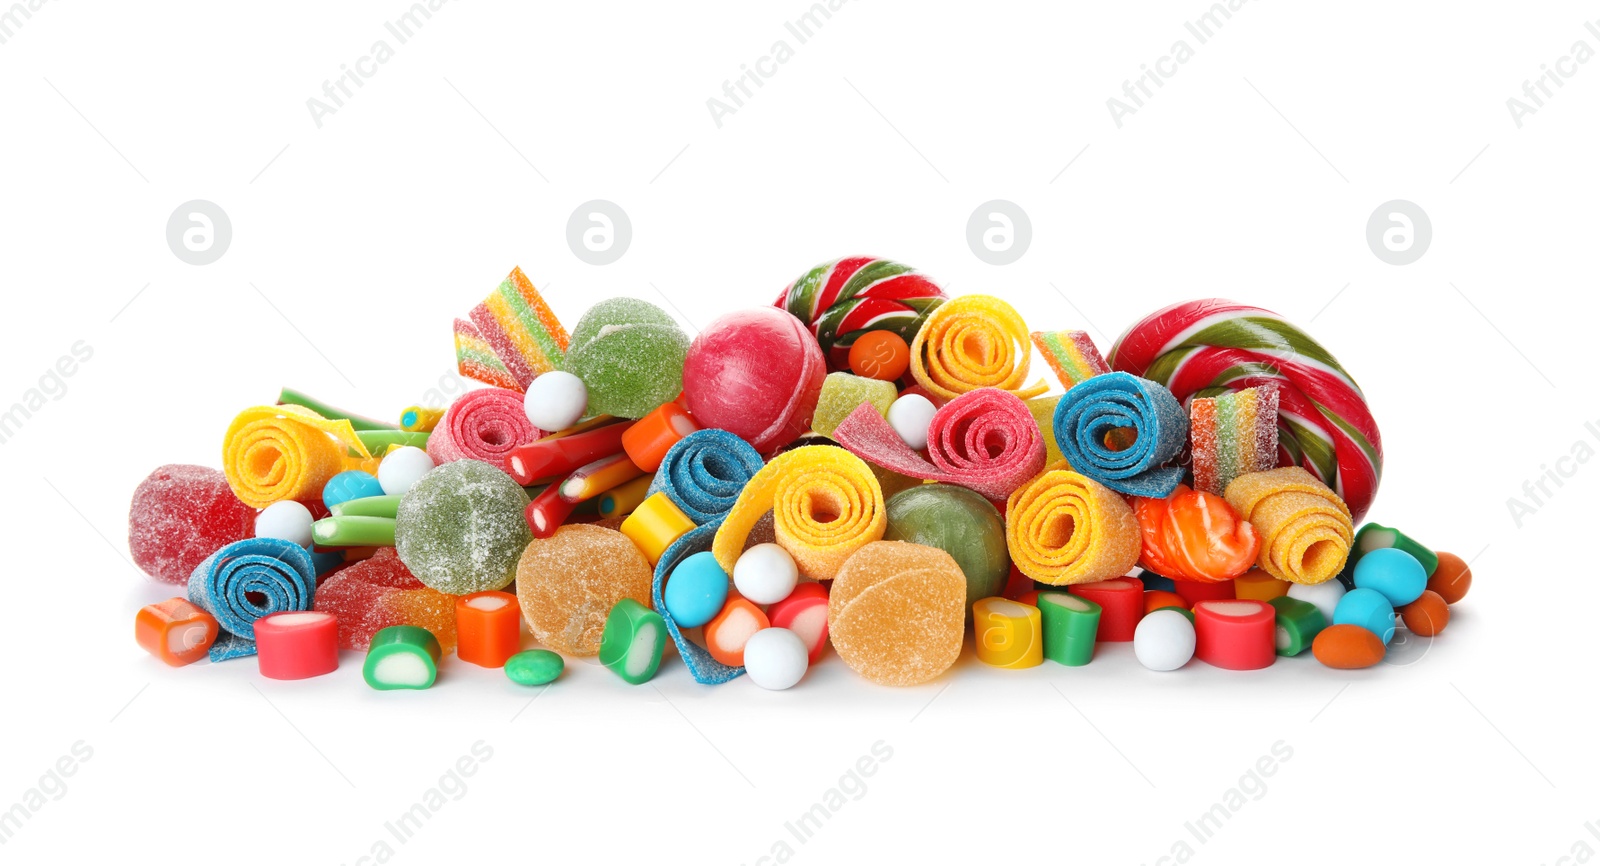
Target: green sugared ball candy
(534, 667)
(461, 528)
(629, 355)
(959, 522)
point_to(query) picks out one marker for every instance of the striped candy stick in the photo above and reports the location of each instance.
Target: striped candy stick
(845, 298)
(1324, 424)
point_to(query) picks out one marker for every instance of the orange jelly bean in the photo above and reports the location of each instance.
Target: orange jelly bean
(1156, 599)
(488, 628)
(1428, 615)
(1451, 579)
(1258, 585)
(1347, 647)
(728, 632)
(175, 631)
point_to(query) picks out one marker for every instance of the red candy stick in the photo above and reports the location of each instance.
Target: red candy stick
(548, 511)
(559, 455)
(297, 644)
(1121, 601)
(804, 612)
(1193, 591)
(488, 628)
(1236, 635)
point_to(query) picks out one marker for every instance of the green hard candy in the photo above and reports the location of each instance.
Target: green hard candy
(629, 355)
(534, 667)
(461, 528)
(959, 522)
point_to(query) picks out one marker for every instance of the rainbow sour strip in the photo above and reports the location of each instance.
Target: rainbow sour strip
(1071, 354)
(1232, 434)
(512, 337)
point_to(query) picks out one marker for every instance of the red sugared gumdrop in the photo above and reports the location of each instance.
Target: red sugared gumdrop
(755, 373)
(179, 516)
(380, 592)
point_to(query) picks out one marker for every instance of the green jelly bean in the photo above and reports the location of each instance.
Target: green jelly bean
(1297, 624)
(1183, 610)
(353, 531)
(1069, 623)
(402, 657)
(633, 641)
(534, 667)
(368, 506)
(1374, 536)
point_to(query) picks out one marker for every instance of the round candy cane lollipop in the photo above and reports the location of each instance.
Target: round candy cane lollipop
(845, 298)
(1201, 347)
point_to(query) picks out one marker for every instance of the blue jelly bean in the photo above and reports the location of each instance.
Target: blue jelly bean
(346, 486)
(1368, 609)
(696, 591)
(1394, 573)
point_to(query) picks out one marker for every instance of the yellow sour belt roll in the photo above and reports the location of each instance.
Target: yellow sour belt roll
(972, 342)
(1305, 527)
(273, 453)
(1062, 528)
(825, 502)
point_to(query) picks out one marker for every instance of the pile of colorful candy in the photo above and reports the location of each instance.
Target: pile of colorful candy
(865, 464)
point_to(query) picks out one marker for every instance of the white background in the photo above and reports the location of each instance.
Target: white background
(1250, 175)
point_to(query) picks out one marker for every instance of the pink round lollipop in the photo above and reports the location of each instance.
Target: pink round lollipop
(1324, 424)
(182, 514)
(756, 374)
(483, 424)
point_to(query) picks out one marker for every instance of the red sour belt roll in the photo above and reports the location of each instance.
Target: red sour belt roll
(1204, 346)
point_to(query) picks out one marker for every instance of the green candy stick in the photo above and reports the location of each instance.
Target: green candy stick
(353, 531)
(633, 641)
(1069, 623)
(291, 397)
(1374, 536)
(368, 506)
(377, 441)
(402, 657)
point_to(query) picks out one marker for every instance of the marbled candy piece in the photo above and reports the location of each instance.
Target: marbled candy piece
(629, 355)
(896, 612)
(961, 523)
(379, 592)
(180, 515)
(461, 528)
(569, 582)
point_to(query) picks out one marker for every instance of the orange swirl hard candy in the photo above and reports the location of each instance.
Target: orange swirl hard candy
(971, 342)
(1194, 535)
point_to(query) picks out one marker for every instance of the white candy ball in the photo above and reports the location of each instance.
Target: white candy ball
(555, 400)
(1164, 640)
(1324, 595)
(288, 520)
(775, 658)
(910, 415)
(403, 468)
(765, 574)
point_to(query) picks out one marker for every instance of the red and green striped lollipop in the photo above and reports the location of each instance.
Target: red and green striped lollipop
(1203, 347)
(843, 299)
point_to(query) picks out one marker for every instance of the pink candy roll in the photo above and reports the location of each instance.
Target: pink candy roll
(483, 424)
(297, 644)
(1238, 635)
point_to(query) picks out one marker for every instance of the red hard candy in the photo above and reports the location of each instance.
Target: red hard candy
(757, 374)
